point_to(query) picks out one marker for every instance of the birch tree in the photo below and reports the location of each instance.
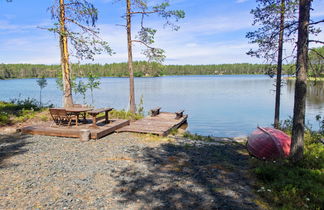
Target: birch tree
(146, 34)
(75, 23)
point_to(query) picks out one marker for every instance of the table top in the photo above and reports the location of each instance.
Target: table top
(77, 109)
(96, 111)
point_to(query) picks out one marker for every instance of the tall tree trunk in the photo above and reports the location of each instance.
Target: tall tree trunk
(132, 107)
(279, 64)
(297, 144)
(67, 97)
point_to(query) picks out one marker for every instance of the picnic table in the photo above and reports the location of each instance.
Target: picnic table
(77, 111)
(94, 113)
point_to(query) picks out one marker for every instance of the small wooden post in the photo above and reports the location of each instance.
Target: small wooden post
(106, 117)
(84, 135)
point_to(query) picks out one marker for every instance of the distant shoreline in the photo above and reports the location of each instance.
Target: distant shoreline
(141, 69)
(308, 78)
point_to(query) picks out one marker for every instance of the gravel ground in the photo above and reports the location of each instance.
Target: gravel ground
(123, 171)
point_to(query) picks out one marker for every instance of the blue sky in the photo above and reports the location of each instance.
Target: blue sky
(213, 32)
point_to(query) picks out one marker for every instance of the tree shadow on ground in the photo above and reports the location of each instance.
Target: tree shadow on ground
(11, 145)
(187, 175)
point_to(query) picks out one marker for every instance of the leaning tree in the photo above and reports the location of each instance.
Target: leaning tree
(75, 23)
(146, 34)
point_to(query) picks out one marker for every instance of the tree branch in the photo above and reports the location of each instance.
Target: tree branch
(317, 22)
(93, 32)
(139, 41)
(150, 12)
(316, 41)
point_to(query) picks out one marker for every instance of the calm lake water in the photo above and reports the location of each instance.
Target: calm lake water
(217, 105)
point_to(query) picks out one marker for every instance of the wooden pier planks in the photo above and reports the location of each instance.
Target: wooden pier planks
(160, 124)
(74, 132)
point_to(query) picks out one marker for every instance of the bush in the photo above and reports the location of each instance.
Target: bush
(27, 104)
(122, 114)
(4, 118)
(197, 137)
(291, 186)
(18, 110)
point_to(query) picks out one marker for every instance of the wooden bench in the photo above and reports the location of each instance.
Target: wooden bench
(155, 111)
(94, 114)
(179, 114)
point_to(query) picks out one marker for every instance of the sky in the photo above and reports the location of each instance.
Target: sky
(213, 32)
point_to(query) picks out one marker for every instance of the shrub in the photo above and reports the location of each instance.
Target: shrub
(291, 186)
(197, 137)
(18, 110)
(122, 114)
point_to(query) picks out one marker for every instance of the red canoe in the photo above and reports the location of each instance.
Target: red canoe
(269, 144)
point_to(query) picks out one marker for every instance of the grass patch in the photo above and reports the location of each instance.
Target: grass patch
(123, 114)
(292, 186)
(197, 137)
(308, 78)
(18, 110)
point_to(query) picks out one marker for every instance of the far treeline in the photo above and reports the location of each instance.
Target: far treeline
(141, 69)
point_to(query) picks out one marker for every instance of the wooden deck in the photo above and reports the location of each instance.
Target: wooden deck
(160, 124)
(74, 131)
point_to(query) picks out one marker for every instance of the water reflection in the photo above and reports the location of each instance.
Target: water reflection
(315, 90)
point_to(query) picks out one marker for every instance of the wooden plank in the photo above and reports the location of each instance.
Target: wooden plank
(160, 124)
(97, 111)
(50, 131)
(114, 126)
(74, 132)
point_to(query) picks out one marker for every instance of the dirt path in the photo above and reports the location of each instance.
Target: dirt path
(123, 171)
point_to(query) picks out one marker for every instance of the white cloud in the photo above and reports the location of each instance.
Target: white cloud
(240, 1)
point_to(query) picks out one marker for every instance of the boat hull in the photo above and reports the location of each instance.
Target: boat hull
(269, 144)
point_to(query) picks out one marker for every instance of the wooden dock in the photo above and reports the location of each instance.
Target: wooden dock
(74, 131)
(160, 124)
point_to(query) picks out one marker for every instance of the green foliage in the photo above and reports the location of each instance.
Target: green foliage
(81, 88)
(4, 118)
(140, 107)
(197, 137)
(267, 17)
(146, 35)
(42, 83)
(316, 62)
(141, 68)
(122, 114)
(19, 104)
(93, 82)
(292, 186)
(80, 25)
(18, 110)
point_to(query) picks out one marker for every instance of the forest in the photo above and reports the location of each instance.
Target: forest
(141, 69)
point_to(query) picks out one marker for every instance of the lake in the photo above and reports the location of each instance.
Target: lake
(226, 106)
